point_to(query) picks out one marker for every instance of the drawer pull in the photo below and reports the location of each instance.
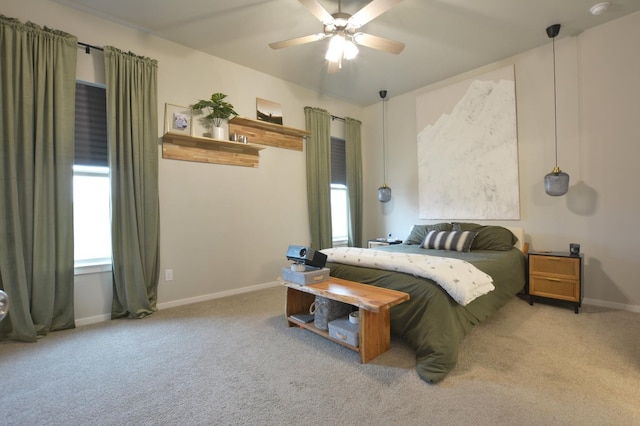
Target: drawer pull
(556, 280)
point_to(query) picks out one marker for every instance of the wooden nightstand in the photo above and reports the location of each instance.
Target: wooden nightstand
(556, 275)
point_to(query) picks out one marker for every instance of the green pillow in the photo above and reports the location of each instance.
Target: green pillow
(490, 237)
(419, 232)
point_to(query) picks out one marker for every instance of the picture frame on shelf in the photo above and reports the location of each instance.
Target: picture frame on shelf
(178, 119)
(268, 111)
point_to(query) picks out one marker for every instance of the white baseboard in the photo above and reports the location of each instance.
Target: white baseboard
(174, 303)
(203, 298)
(92, 320)
(612, 305)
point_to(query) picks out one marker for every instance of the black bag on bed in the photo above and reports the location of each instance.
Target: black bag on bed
(326, 310)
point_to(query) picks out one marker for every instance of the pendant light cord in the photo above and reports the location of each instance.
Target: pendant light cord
(384, 142)
(555, 102)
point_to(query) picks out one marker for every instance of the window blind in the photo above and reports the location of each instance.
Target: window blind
(338, 162)
(91, 126)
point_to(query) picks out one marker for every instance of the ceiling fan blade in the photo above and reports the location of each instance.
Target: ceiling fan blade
(318, 11)
(296, 41)
(378, 43)
(371, 11)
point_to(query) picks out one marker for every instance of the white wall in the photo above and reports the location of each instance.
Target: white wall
(598, 145)
(223, 228)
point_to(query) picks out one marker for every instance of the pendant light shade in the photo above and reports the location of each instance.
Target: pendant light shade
(384, 192)
(556, 183)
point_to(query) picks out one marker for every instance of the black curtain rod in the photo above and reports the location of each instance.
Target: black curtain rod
(335, 117)
(88, 47)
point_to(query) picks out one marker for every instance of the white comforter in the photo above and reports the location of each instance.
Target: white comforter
(463, 281)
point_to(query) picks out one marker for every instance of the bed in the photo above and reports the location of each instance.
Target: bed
(432, 322)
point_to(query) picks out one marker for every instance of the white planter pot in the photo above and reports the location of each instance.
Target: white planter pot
(218, 133)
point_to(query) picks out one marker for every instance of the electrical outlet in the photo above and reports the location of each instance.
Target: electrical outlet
(168, 274)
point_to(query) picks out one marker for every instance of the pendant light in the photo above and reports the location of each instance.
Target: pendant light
(384, 192)
(557, 182)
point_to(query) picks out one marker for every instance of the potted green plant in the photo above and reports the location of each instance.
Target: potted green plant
(217, 110)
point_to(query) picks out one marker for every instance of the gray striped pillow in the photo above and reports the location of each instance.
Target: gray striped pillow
(454, 240)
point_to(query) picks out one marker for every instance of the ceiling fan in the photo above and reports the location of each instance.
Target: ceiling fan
(343, 30)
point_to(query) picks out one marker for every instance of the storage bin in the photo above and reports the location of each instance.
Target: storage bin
(326, 310)
(345, 331)
(316, 275)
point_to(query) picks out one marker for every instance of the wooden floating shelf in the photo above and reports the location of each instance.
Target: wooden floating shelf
(205, 150)
(269, 134)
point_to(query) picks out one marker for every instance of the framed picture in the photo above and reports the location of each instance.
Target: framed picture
(268, 111)
(468, 149)
(177, 119)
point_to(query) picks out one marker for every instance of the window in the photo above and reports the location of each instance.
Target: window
(91, 184)
(91, 218)
(339, 227)
(339, 199)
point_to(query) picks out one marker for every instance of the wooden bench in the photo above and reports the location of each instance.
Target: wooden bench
(373, 303)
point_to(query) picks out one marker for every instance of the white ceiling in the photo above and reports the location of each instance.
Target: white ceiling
(443, 37)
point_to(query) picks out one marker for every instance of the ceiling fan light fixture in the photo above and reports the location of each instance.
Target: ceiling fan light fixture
(350, 50)
(336, 48)
(341, 21)
(340, 27)
(341, 48)
(354, 24)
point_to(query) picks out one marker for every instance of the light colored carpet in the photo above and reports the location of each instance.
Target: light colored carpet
(234, 361)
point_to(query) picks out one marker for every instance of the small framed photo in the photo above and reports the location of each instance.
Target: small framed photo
(268, 111)
(177, 119)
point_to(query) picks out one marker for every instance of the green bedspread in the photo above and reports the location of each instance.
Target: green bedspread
(431, 321)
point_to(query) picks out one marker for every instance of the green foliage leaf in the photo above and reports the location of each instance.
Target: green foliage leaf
(216, 108)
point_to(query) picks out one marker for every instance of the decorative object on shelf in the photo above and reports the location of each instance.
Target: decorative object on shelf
(268, 111)
(177, 119)
(384, 192)
(556, 183)
(217, 110)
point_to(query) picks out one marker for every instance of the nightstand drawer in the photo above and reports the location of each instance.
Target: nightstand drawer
(562, 267)
(556, 275)
(556, 288)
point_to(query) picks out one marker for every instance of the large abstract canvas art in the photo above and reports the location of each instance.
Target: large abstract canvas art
(468, 149)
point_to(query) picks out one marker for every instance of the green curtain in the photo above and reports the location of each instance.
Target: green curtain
(132, 134)
(37, 100)
(318, 148)
(353, 154)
